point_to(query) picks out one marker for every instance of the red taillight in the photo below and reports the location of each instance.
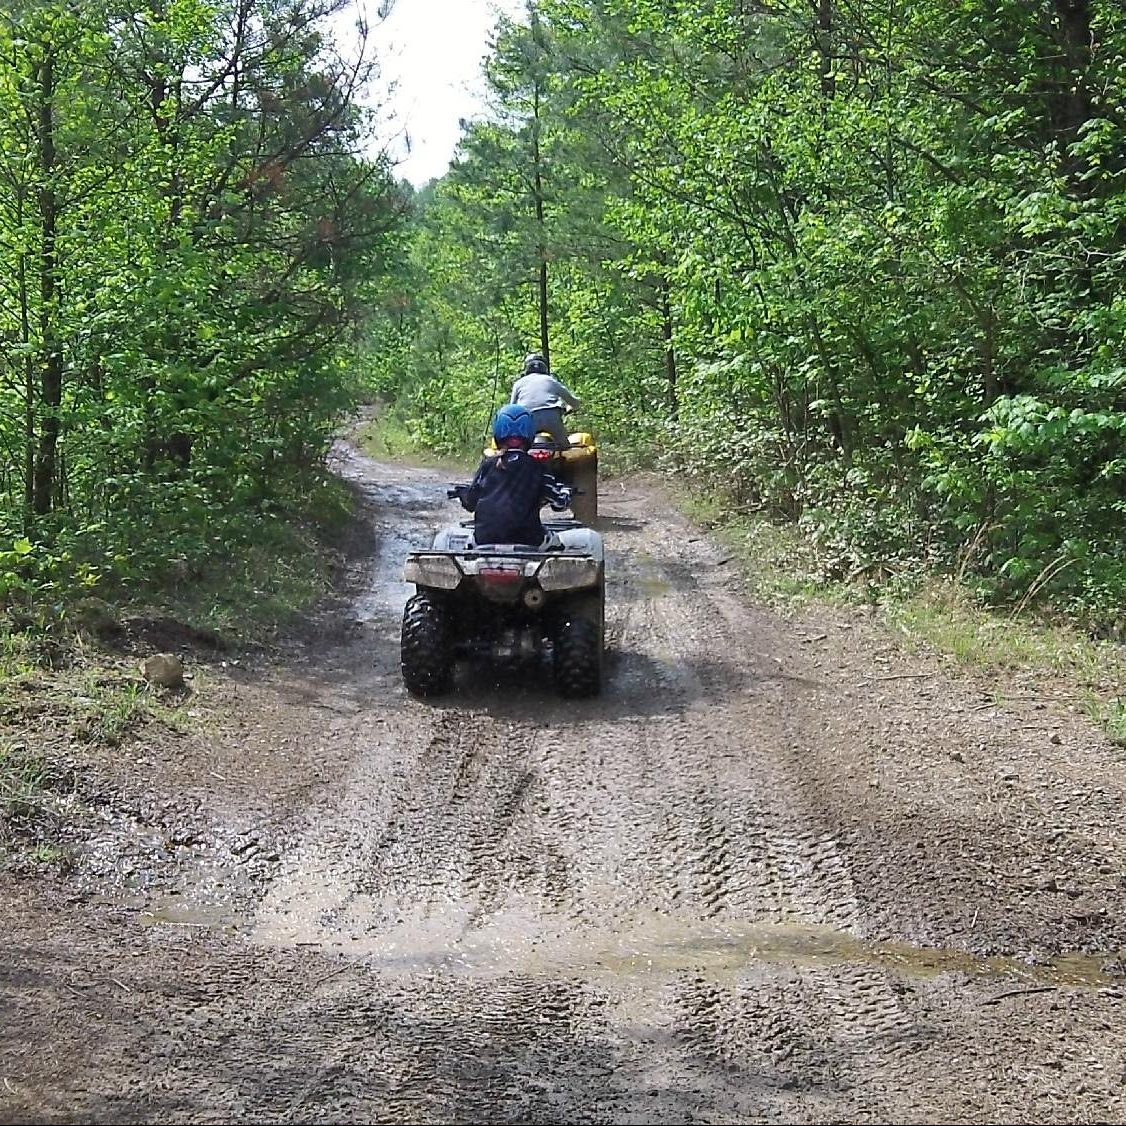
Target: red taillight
(541, 455)
(501, 574)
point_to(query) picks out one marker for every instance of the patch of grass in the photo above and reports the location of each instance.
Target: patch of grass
(779, 565)
(17, 658)
(782, 567)
(51, 855)
(387, 437)
(28, 815)
(258, 588)
(1111, 713)
(96, 697)
(272, 568)
(111, 710)
(946, 617)
(22, 777)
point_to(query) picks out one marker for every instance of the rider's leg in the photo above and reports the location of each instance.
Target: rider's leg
(551, 420)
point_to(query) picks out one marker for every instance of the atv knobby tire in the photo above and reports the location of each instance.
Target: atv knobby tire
(427, 662)
(578, 657)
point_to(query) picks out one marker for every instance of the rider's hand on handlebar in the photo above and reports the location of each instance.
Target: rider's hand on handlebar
(563, 499)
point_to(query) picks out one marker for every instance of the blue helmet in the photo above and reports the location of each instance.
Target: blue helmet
(513, 422)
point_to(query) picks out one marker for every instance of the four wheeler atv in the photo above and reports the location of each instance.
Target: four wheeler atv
(576, 467)
(506, 602)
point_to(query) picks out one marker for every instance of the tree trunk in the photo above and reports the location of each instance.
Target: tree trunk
(988, 357)
(825, 47)
(541, 235)
(1073, 104)
(50, 361)
(670, 350)
(28, 380)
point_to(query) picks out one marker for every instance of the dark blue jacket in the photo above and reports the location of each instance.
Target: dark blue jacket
(505, 497)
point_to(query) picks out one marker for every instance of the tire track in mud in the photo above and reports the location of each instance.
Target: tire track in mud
(756, 854)
(816, 1034)
(758, 850)
(421, 841)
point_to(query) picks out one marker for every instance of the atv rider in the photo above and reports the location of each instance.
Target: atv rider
(508, 491)
(545, 397)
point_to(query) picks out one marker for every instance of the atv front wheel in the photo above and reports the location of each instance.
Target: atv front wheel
(578, 658)
(427, 663)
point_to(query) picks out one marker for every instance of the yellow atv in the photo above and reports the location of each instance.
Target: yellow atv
(576, 468)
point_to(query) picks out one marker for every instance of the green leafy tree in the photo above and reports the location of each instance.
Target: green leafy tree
(196, 241)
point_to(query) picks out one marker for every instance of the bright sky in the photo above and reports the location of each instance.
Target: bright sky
(430, 52)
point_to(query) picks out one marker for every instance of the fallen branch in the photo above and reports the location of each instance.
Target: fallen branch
(328, 977)
(895, 676)
(1019, 993)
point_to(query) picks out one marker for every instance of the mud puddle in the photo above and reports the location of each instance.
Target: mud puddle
(180, 912)
(456, 941)
(667, 949)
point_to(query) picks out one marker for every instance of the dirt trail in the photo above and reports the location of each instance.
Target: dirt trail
(779, 872)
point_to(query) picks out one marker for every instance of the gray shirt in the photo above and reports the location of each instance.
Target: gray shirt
(534, 392)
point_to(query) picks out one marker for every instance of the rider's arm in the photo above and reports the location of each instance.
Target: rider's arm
(472, 494)
(567, 395)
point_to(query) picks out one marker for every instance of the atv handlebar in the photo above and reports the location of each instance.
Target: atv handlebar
(454, 492)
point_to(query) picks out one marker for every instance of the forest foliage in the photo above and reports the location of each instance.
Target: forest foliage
(855, 264)
(858, 264)
(191, 237)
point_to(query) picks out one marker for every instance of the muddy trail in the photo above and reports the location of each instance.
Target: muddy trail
(780, 871)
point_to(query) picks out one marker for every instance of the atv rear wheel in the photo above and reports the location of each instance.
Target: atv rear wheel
(427, 663)
(578, 657)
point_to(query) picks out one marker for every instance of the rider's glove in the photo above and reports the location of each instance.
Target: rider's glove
(460, 492)
(561, 499)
